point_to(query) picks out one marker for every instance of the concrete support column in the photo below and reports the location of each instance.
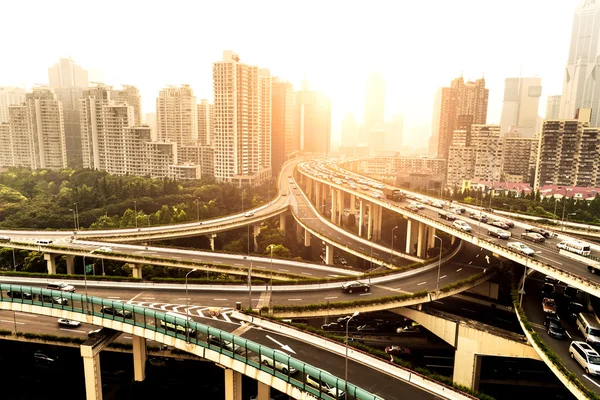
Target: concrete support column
(467, 368)
(318, 201)
(409, 229)
(255, 235)
(334, 205)
(328, 254)
(340, 206)
(264, 392)
(430, 239)
(91, 370)
(453, 239)
(139, 358)
(421, 240)
(352, 204)
(377, 214)
(309, 189)
(70, 264)
(212, 241)
(50, 262)
(306, 238)
(233, 385)
(360, 217)
(136, 270)
(299, 232)
(370, 222)
(282, 218)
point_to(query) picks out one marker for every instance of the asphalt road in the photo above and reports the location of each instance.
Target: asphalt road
(532, 306)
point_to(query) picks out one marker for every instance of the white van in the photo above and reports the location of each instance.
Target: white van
(589, 328)
(575, 246)
(586, 356)
(43, 242)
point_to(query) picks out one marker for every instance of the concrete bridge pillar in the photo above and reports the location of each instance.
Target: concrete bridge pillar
(91, 370)
(318, 200)
(50, 262)
(212, 241)
(309, 189)
(360, 217)
(340, 206)
(467, 368)
(421, 240)
(264, 392)
(255, 236)
(139, 358)
(299, 233)
(282, 218)
(306, 238)
(370, 222)
(334, 203)
(328, 254)
(136, 270)
(430, 238)
(70, 264)
(352, 204)
(377, 216)
(233, 385)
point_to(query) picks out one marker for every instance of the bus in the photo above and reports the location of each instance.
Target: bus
(575, 246)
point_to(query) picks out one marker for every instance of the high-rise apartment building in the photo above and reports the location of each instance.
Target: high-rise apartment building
(553, 107)
(242, 121)
(282, 123)
(313, 120)
(488, 152)
(205, 122)
(580, 89)
(520, 107)
(36, 136)
(432, 145)
(6, 156)
(394, 131)
(150, 120)
(568, 154)
(349, 131)
(519, 155)
(130, 95)
(374, 105)
(10, 95)
(461, 159)
(68, 80)
(177, 115)
(462, 104)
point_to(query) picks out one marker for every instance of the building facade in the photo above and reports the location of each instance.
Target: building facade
(488, 154)
(313, 120)
(520, 107)
(130, 95)
(10, 95)
(205, 122)
(519, 155)
(374, 106)
(553, 107)
(282, 124)
(177, 115)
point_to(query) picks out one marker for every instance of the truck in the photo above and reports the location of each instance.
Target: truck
(592, 266)
(392, 194)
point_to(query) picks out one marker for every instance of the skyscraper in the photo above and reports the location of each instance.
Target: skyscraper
(8, 97)
(177, 115)
(282, 123)
(553, 107)
(68, 81)
(205, 122)
(374, 105)
(242, 121)
(394, 131)
(130, 95)
(313, 120)
(520, 108)
(462, 104)
(488, 152)
(580, 89)
(349, 131)
(435, 124)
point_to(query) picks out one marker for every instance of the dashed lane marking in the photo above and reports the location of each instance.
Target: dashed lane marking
(442, 277)
(458, 270)
(422, 283)
(12, 322)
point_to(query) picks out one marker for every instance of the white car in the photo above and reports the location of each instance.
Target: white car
(283, 368)
(105, 249)
(417, 204)
(249, 214)
(586, 356)
(325, 387)
(521, 248)
(462, 225)
(68, 323)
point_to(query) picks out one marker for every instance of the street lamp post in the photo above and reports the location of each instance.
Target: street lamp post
(76, 217)
(14, 260)
(510, 207)
(271, 281)
(85, 279)
(570, 215)
(346, 370)
(135, 212)
(197, 210)
(250, 286)
(392, 252)
(437, 285)
(564, 200)
(187, 305)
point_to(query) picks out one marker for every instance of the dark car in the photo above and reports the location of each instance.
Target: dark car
(478, 217)
(355, 286)
(447, 216)
(541, 231)
(397, 351)
(533, 237)
(367, 328)
(548, 290)
(40, 358)
(570, 293)
(555, 328)
(333, 326)
(116, 312)
(573, 309)
(500, 224)
(19, 295)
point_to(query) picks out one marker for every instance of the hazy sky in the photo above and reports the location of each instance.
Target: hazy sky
(418, 46)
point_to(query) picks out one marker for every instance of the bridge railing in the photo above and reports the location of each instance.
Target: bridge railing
(282, 366)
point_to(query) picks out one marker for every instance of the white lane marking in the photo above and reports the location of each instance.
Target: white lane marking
(365, 294)
(442, 277)
(184, 298)
(285, 270)
(549, 259)
(422, 283)
(335, 276)
(470, 262)
(220, 299)
(72, 330)
(458, 270)
(148, 298)
(437, 301)
(239, 265)
(127, 337)
(26, 315)
(330, 298)
(12, 322)
(226, 317)
(476, 255)
(305, 273)
(294, 299)
(217, 262)
(260, 266)
(466, 309)
(590, 379)
(113, 297)
(135, 297)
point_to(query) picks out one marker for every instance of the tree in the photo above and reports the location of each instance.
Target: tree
(279, 250)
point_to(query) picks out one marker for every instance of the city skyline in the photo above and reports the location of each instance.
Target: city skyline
(409, 91)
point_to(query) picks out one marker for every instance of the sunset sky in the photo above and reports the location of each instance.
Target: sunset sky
(418, 46)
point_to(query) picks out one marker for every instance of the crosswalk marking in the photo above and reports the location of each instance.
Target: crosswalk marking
(193, 310)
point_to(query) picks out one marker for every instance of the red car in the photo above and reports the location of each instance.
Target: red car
(549, 305)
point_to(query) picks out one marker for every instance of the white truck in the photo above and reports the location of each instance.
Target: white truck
(593, 266)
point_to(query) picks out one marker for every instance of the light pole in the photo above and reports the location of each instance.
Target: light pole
(197, 210)
(564, 200)
(271, 281)
(135, 212)
(346, 371)
(568, 215)
(510, 207)
(392, 253)
(76, 217)
(85, 279)
(187, 305)
(250, 286)
(437, 285)
(14, 260)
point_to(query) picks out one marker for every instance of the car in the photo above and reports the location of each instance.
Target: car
(116, 312)
(414, 327)
(19, 295)
(64, 287)
(279, 366)
(533, 237)
(478, 217)
(462, 225)
(447, 216)
(355, 286)
(94, 333)
(333, 326)
(411, 207)
(555, 328)
(397, 351)
(249, 214)
(367, 328)
(573, 310)
(53, 299)
(585, 356)
(324, 387)
(500, 224)
(488, 209)
(69, 323)
(4, 239)
(105, 249)
(418, 205)
(521, 248)
(507, 222)
(499, 233)
(570, 293)
(543, 232)
(438, 204)
(40, 358)
(548, 289)
(548, 305)
(225, 344)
